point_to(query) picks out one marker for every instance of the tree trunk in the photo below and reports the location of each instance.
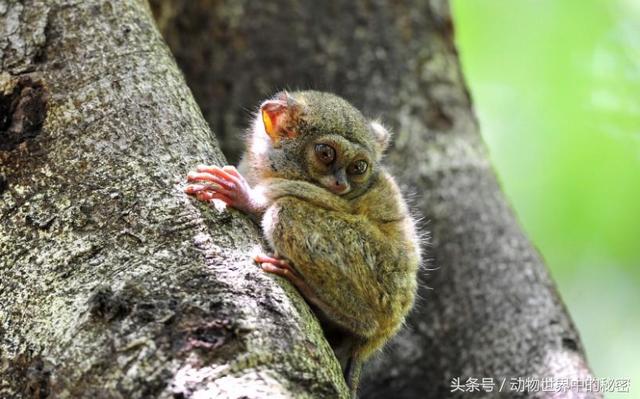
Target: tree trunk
(113, 283)
(488, 307)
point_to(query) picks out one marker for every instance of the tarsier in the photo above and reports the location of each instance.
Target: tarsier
(339, 227)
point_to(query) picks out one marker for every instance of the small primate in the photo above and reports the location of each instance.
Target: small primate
(339, 228)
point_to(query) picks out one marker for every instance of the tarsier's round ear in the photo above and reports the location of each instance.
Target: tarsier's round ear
(381, 135)
(275, 113)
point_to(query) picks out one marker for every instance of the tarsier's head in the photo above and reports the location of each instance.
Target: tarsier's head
(318, 137)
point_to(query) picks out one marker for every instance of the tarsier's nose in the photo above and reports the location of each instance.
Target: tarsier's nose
(340, 187)
(336, 182)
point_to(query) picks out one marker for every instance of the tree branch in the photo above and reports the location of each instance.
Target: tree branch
(114, 283)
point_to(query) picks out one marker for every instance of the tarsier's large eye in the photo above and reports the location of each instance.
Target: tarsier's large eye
(325, 153)
(358, 167)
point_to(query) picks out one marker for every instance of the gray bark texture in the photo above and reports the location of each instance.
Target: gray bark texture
(488, 307)
(114, 284)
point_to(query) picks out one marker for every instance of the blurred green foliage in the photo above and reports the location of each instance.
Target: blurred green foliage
(556, 87)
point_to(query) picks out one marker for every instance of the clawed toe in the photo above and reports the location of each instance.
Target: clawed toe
(277, 262)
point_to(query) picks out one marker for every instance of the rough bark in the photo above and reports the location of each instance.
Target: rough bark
(488, 306)
(113, 283)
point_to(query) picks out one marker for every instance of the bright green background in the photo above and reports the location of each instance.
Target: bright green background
(556, 86)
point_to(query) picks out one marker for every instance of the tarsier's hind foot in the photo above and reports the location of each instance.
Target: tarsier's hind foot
(282, 267)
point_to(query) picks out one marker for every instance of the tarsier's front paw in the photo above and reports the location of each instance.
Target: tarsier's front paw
(225, 184)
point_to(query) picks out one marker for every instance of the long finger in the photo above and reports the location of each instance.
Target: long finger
(232, 170)
(209, 195)
(215, 170)
(194, 189)
(272, 260)
(226, 183)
